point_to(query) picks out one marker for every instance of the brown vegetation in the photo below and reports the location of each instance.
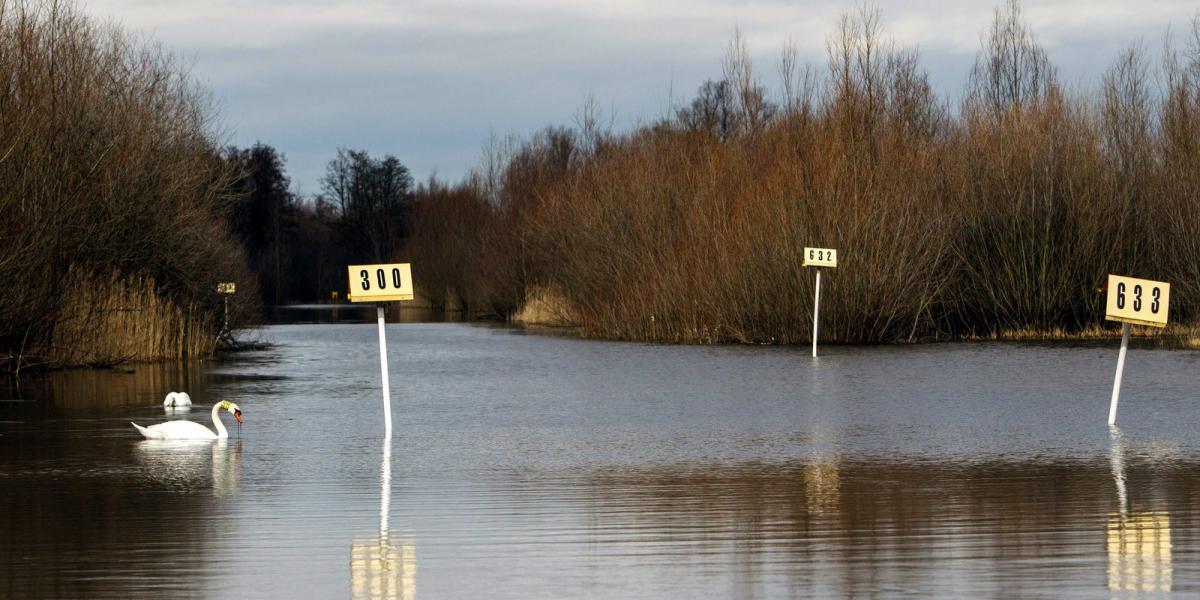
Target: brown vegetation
(1003, 213)
(545, 307)
(105, 321)
(112, 197)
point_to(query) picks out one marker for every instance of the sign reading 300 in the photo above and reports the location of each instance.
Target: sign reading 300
(381, 283)
(1137, 301)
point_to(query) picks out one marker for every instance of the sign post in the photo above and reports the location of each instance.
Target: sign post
(1133, 301)
(818, 257)
(225, 289)
(380, 284)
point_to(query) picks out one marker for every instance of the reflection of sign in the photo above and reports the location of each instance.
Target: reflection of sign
(1137, 301)
(226, 467)
(380, 283)
(226, 288)
(822, 486)
(381, 570)
(1139, 552)
(820, 257)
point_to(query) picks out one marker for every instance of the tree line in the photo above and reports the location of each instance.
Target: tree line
(298, 247)
(997, 214)
(121, 211)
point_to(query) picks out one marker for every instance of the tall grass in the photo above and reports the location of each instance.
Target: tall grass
(107, 321)
(1003, 213)
(112, 195)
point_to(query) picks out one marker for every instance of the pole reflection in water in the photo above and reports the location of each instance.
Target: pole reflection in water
(379, 568)
(1138, 542)
(182, 463)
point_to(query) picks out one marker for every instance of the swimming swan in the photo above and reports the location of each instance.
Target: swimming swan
(177, 399)
(189, 430)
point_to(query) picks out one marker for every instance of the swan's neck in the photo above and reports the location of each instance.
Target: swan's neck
(221, 433)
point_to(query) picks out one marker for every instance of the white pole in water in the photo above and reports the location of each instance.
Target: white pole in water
(1112, 408)
(816, 311)
(387, 396)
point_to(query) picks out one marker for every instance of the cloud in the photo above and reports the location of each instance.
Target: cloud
(429, 81)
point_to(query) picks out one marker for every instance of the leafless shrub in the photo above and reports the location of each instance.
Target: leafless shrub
(108, 177)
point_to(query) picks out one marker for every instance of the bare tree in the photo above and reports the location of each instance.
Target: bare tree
(1012, 71)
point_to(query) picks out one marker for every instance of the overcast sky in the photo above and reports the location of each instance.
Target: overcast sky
(430, 80)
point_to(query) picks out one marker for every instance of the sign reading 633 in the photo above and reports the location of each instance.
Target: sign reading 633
(1137, 301)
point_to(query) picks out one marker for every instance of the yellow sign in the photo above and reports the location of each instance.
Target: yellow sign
(226, 288)
(1137, 301)
(820, 257)
(380, 283)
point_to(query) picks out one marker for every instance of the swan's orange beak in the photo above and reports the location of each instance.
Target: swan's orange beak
(237, 414)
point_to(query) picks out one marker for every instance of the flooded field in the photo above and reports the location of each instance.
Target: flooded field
(537, 466)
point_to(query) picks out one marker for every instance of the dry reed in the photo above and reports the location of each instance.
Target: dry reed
(106, 321)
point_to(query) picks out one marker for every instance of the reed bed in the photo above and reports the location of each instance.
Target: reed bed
(111, 320)
(1004, 212)
(545, 307)
(1172, 336)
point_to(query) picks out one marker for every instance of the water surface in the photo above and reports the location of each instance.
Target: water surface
(535, 466)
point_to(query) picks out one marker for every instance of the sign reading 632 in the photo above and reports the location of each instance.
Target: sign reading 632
(380, 283)
(820, 257)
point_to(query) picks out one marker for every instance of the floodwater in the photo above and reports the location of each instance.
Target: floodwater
(537, 466)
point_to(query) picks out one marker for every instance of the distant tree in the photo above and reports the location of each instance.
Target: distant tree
(264, 214)
(1012, 71)
(722, 110)
(373, 198)
(316, 260)
(712, 110)
(736, 104)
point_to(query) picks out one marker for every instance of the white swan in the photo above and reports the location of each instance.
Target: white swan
(177, 399)
(189, 430)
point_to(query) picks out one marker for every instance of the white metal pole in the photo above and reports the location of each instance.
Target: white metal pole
(816, 311)
(387, 396)
(1112, 408)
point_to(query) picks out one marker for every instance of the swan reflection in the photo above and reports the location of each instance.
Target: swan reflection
(1138, 542)
(383, 567)
(187, 463)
